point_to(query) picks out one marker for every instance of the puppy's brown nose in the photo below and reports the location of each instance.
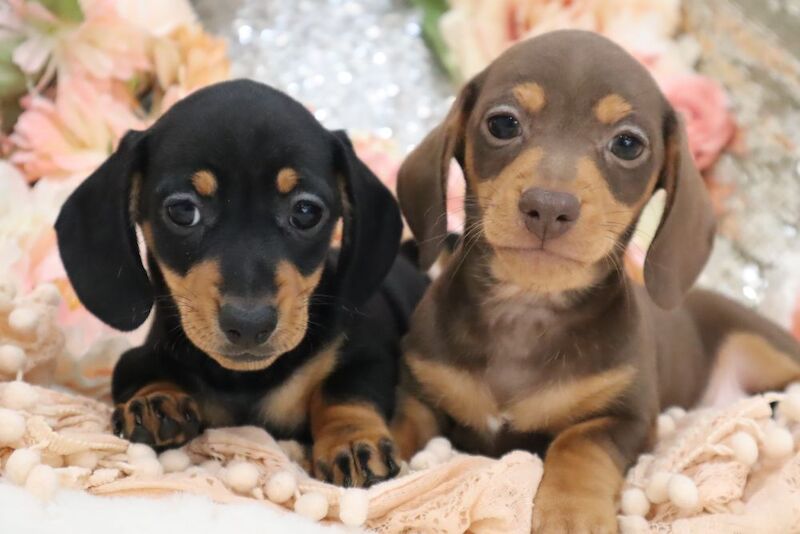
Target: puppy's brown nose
(246, 324)
(549, 214)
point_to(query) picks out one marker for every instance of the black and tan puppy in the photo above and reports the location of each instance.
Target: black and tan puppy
(237, 190)
(533, 337)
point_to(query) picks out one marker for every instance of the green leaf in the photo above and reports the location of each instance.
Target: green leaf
(432, 11)
(69, 10)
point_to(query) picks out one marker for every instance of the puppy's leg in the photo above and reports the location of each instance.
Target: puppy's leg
(583, 472)
(348, 414)
(150, 408)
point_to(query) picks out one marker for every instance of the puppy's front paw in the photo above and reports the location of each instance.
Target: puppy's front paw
(352, 455)
(160, 415)
(562, 513)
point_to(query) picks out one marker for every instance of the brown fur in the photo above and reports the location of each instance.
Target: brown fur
(612, 108)
(205, 183)
(288, 406)
(531, 95)
(294, 290)
(544, 344)
(352, 444)
(287, 180)
(162, 409)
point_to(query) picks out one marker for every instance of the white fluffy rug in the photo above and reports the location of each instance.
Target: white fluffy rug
(73, 511)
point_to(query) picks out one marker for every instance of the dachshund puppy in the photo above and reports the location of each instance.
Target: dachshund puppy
(237, 190)
(532, 337)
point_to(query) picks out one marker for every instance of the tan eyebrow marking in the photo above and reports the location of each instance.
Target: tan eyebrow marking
(530, 95)
(205, 183)
(287, 180)
(611, 108)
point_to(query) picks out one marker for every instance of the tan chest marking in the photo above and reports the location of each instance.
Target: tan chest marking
(555, 407)
(468, 399)
(288, 405)
(455, 391)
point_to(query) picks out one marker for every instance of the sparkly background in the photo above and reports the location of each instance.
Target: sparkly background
(362, 64)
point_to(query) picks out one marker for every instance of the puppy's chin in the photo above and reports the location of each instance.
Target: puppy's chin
(541, 271)
(243, 362)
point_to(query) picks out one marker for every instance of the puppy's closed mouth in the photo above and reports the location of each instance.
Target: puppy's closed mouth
(536, 252)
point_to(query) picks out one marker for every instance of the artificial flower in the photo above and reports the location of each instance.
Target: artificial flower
(703, 105)
(477, 31)
(186, 60)
(96, 42)
(157, 17)
(74, 136)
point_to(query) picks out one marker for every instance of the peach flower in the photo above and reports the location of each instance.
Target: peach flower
(477, 31)
(704, 107)
(157, 17)
(101, 44)
(186, 60)
(74, 136)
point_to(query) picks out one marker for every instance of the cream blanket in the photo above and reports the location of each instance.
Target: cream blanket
(740, 466)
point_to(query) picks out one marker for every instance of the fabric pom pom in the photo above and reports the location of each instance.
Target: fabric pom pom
(12, 426)
(20, 463)
(174, 460)
(656, 490)
(354, 507)
(676, 412)
(634, 502)
(281, 487)
(47, 294)
(666, 426)
(778, 442)
(24, 320)
(19, 395)
(12, 358)
(85, 459)
(423, 460)
(683, 492)
(42, 481)
(139, 451)
(150, 467)
(745, 448)
(441, 448)
(241, 476)
(312, 505)
(790, 406)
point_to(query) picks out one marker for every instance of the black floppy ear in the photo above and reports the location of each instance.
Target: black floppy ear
(684, 238)
(97, 241)
(422, 179)
(372, 226)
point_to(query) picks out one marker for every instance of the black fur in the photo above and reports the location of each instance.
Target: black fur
(244, 133)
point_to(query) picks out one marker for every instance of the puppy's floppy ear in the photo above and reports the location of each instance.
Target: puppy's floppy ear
(372, 226)
(684, 238)
(422, 179)
(97, 241)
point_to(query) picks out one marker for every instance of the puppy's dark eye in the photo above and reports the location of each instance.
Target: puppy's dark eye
(627, 146)
(503, 126)
(183, 212)
(306, 214)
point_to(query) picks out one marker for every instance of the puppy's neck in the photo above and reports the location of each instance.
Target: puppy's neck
(469, 272)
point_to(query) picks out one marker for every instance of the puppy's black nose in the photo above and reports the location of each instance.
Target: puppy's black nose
(247, 324)
(549, 214)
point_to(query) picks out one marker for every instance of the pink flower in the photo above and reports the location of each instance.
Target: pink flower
(102, 45)
(477, 31)
(73, 136)
(704, 107)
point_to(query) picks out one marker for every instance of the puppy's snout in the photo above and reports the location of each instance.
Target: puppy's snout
(548, 214)
(247, 324)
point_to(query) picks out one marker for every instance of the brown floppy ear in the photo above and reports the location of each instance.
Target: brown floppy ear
(684, 238)
(422, 179)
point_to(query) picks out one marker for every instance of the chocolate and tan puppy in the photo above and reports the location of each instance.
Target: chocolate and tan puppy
(533, 337)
